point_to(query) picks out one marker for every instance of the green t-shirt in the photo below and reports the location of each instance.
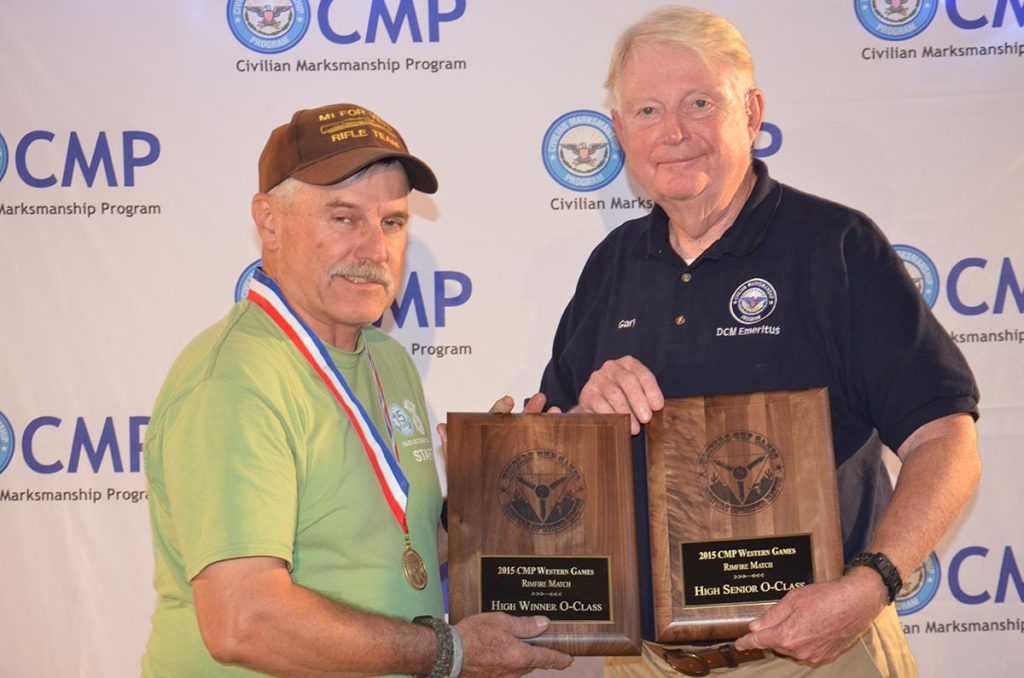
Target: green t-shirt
(248, 454)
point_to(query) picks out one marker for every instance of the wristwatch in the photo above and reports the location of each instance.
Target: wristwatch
(881, 564)
(449, 648)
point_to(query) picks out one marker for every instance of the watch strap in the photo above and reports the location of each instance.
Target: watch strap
(880, 563)
(443, 664)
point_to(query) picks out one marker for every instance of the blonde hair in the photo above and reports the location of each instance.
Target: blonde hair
(707, 34)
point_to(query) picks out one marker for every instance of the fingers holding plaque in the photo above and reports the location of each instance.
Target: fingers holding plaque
(541, 521)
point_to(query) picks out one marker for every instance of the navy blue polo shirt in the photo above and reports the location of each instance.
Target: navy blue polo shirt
(799, 292)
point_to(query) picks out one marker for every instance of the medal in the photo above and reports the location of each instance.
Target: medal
(412, 565)
(265, 293)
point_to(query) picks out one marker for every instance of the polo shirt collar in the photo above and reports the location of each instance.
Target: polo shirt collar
(745, 234)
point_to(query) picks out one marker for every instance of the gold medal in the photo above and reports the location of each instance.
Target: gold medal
(415, 570)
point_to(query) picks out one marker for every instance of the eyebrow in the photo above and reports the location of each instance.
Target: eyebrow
(341, 204)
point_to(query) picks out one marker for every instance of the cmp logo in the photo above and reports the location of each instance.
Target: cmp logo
(895, 19)
(3, 157)
(268, 27)
(920, 587)
(740, 472)
(6, 442)
(753, 301)
(922, 271)
(581, 152)
(242, 286)
(542, 491)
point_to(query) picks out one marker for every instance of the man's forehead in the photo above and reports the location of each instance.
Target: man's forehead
(676, 68)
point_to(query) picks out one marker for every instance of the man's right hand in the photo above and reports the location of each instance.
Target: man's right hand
(623, 386)
(492, 646)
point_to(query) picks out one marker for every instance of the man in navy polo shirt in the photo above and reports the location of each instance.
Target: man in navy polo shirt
(737, 283)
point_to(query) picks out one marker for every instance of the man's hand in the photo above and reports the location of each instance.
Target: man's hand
(623, 386)
(502, 405)
(815, 623)
(492, 646)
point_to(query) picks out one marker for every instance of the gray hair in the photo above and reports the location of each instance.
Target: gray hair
(707, 34)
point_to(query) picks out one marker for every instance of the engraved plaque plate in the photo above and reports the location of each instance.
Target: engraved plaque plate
(562, 588)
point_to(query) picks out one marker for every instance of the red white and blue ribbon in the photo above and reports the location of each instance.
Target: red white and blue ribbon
(265, 293)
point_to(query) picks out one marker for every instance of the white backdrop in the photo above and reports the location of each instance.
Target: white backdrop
(107, 106)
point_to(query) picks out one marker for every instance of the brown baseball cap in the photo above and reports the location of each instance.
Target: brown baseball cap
(325, 145)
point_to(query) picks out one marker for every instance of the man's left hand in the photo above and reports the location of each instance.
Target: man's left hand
(816, 623)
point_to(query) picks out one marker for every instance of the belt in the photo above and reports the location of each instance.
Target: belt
(699, 661)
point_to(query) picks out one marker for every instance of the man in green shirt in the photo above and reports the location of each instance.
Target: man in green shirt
(293, 495)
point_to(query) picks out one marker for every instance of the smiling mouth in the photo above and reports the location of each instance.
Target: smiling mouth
(678, 161)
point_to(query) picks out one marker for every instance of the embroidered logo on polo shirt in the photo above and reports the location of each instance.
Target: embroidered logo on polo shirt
(753, 301)
(626, 324)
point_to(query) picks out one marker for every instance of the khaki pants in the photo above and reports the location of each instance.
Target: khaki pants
(882, 652)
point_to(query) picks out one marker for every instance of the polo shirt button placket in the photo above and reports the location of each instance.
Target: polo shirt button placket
(684, 278)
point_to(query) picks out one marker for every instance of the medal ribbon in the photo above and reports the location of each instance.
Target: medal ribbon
(265, 293)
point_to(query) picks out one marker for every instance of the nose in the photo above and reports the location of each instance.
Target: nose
(372, 245)
(672, 129)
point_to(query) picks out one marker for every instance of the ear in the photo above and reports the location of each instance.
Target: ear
(267, 220)
(617, 125)
(755, 113)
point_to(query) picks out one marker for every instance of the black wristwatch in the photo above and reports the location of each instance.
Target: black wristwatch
(881, 564)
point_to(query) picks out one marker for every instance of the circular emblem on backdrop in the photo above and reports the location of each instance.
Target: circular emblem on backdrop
(922, 271)
(268, 26)
(753, 301)
(400, 419)
(740, 472)
(541, 491)
(242, 286)
(919, 587)
(581, 152)
(895, 19)
(6, 442)
(3, 157)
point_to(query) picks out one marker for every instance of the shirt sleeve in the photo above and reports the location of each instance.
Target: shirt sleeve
(230, 476)
(904, 368)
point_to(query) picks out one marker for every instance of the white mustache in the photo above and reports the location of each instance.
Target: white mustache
(366, 271)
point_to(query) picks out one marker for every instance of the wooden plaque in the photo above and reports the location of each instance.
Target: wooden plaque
(541, 521)
(743, 507)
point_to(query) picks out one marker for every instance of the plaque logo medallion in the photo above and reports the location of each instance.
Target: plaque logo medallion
(542, 491)
(740, 472)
